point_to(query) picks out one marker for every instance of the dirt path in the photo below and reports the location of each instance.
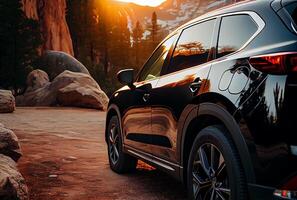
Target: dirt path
(65, 158)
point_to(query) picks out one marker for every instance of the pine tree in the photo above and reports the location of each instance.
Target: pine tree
(73, 17)
(87, 23)
(93, 31)
(155, 31)
(104, 26)
(137, 39)
(120, 43)
(20, 40)
(78, 20)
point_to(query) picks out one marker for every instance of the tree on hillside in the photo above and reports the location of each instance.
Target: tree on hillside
(20, 40)
(81, 24)
(155, 31)
(155, 28)
(137, 38)
(104, 32)
(87, 23)
(73, 16)
(120, 43)
(103, 41)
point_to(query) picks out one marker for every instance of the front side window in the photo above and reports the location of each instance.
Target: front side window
(193, 46)
(153, 67)
(235, 31)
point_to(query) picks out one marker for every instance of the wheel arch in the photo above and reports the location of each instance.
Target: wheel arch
(216, 98)
(208, 114)
(112, 110)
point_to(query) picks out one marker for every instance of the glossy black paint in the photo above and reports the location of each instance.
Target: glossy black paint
(126, 77)
(258, 109)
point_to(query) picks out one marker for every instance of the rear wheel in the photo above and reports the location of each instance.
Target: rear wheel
(119, 161)
(214, 169)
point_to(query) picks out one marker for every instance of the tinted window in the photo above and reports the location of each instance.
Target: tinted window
(192, 47)
(153, 66)
(292, 10)
(235, 31)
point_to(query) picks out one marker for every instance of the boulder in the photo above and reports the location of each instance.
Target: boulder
(67, 89)
(7, 101)
(37, 79)
(56, 62)
(12, 183)
(41, 97)
(9, 144)
(82, 91)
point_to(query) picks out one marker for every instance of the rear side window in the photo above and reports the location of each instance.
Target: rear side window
(235, 31)
(193, 46)
(292, 10)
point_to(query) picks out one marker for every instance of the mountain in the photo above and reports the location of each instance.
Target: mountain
(171, 13)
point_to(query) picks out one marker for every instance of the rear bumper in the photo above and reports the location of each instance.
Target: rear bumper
(260, 192)
(267, 193)
(277, 174)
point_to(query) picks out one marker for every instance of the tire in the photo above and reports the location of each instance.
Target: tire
(119, 161)
(219, 173)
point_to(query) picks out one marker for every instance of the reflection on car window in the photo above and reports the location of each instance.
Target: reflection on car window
(152, 69)
(292, 10)
(193, 46)
(235, 31)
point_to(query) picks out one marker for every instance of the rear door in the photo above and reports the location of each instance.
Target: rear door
(185, 77)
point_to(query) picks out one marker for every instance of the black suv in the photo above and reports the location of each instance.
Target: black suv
(216, 105)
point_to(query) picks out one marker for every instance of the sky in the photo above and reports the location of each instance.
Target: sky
(145, 2)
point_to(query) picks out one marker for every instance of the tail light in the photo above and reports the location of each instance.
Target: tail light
(285, 194)
(278, 63)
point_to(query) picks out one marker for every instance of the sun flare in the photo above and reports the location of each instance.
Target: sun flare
(152, 3)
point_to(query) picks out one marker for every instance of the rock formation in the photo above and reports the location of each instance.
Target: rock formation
(9, 144)
(67, 89)
(36, 79)
(12, 183)
(51, 15)
(30, 9)
(80, 90)
(7, 101)
(56, 62)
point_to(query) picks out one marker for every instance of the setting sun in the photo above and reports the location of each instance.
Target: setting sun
(145, 2)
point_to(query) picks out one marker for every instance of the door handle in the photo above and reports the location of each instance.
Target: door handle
(146, 97)
(195, 86)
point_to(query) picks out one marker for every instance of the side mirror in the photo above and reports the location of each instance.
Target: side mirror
(126, 77)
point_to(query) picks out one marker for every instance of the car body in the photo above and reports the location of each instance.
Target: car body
(234, 67)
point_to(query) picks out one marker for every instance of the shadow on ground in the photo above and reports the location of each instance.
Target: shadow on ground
(65, 158)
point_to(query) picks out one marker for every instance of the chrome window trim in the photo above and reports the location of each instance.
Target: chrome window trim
(293, 27)
(255, 17)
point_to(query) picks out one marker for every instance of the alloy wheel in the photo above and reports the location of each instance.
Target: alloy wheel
(113, 140)
(210, 178)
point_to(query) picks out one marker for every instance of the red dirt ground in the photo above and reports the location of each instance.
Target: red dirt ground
(65, 158)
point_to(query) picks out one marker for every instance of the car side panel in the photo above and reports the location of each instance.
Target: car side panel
(136, 115)
(169, 98)
(267, 119)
